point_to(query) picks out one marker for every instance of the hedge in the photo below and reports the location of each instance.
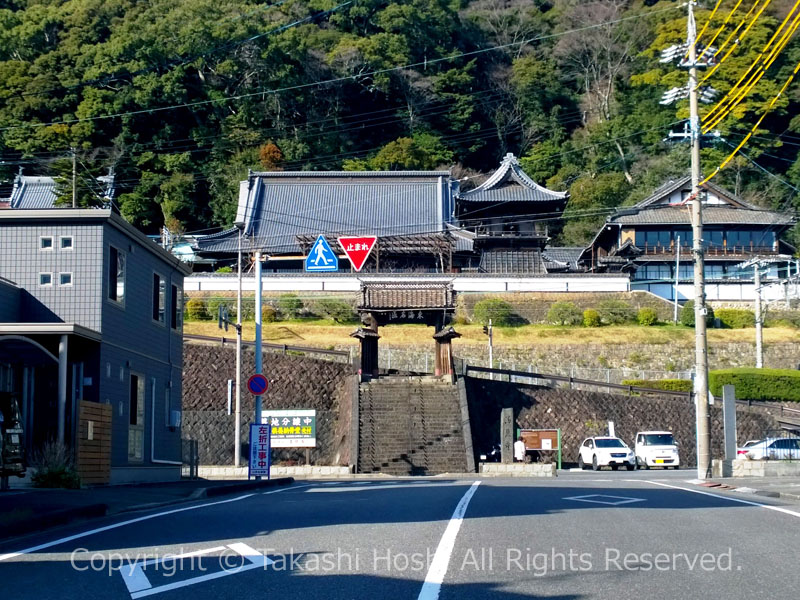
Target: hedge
(669, 385)
(736, 318)
(499, 311)
(758, 384)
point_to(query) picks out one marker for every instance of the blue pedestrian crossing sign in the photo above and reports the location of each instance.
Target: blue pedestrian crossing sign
(321, 257)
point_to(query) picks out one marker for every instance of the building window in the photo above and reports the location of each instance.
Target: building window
(177, 308)
(116, 275)
(159, 298)
(46, 242)
(65, 278)
(45, 279)
(66, 242)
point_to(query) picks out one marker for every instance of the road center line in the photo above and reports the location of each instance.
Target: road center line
(78, 536)
(779, 509)
(433, 580)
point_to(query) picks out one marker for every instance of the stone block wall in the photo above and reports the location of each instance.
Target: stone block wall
(295, 382)
(581, 414)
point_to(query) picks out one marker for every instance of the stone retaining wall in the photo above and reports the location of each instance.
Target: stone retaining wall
(517, 470)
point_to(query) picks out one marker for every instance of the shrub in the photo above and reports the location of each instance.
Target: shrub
(591, 318)
(647, 316)
(687, 314)
(499, 311)
(670, 385)
(338, 310)
(224, 270)
(196, 310)
(758, 384)
(736, 318)
(55, 468)
(268, 313)
(289, 306)
(564, 313)
(782, 318)
(615, 312)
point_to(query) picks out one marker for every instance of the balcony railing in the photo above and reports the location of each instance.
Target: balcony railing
(710, 250)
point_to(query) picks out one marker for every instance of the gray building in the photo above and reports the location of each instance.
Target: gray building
(91, 313)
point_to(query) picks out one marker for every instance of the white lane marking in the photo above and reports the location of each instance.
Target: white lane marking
(779, 509)
(255, 559)
(612, 500)
(294, 487)
(433, 580)
(78, 536)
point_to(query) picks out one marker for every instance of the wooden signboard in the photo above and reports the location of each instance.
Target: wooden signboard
(94, 443)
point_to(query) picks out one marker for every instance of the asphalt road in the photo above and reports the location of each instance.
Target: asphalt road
(583, 535)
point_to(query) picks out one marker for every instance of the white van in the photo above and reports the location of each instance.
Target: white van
(656, 449)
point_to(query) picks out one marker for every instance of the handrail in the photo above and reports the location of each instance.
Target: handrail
(574, 380)
(284, 347)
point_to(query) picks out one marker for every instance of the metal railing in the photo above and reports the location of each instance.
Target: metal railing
(190, 459)
(572, 381)
(282, 348)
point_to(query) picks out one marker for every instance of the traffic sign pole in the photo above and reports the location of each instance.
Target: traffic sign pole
(258, 349)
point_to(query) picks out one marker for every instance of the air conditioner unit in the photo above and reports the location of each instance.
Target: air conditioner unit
(175, 418)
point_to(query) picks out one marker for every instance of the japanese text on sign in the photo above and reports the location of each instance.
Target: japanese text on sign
(292, 428)
(260, 446)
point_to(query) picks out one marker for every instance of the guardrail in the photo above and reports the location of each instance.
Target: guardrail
(631, 389)
(284, 348)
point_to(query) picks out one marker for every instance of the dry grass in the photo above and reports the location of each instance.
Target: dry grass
(327, 335)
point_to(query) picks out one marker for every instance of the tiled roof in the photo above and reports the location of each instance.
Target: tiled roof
(512, 261)
(510, 184)
(712, 215)
(406, 295)
(33, 192)
(276, 207)
(562, 254)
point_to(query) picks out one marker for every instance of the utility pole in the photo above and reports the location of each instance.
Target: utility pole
(259, 366)
(701, 342)
(677, 277)
(74, 179)
(237, 452)
(759, 320)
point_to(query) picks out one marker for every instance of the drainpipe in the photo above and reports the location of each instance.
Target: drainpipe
(62, 387)
(153, 458)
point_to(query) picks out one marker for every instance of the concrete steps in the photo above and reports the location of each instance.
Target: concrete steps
(410, 426)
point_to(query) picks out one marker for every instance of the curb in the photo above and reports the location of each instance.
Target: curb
(756, 492)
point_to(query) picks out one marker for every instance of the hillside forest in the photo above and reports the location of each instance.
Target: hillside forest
(181, 97)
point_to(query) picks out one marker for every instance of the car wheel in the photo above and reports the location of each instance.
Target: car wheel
(631, 467)
(646, 466)
(595, 466)
(614, 467)
(581, 464)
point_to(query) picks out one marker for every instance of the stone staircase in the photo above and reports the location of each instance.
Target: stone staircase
(410, 426)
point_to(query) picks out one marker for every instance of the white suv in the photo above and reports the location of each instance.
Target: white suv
(605, 452)
(656, 449)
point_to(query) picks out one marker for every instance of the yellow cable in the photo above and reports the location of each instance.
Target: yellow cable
(725, 44)
(734, 90)
(756, 77)
(705, 26)
(724, 24)
(770, 106)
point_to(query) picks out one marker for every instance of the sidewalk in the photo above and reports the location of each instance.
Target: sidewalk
(26, 510)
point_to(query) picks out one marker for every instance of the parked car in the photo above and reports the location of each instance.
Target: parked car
(656, 449)
(787, 448)
(605, 451)
(742, 450)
